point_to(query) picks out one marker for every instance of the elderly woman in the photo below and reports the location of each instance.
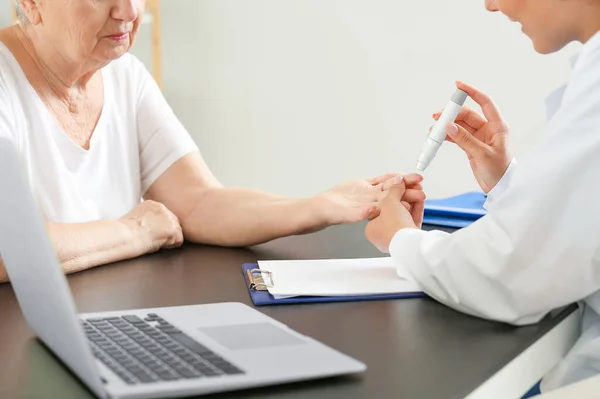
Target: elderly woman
(96, 136)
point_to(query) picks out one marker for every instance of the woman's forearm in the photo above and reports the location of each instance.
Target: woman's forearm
(241, 217)
(81, 246)
(3, 275)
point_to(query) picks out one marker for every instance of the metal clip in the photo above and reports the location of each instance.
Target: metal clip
(260, 280)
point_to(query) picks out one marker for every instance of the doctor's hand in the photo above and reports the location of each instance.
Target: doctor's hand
(484, 138)
(396, 213)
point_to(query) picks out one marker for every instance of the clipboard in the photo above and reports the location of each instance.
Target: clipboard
(257, 282)
(458, 211)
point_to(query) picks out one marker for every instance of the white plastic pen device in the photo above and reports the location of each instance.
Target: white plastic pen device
(438, 132)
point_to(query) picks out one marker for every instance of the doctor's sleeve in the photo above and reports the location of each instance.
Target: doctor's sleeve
(538, 248)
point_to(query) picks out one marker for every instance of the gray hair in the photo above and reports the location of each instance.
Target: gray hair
(20, 14)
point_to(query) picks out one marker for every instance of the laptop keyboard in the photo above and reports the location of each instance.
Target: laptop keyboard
(151, 350)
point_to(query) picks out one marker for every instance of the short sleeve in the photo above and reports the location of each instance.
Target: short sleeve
(162, 138)
(7, 125)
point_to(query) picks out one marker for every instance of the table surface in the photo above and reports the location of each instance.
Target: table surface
(413, 348)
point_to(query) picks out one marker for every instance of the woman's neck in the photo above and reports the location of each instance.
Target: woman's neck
(63, 77)
(588, 21)
(589, 33)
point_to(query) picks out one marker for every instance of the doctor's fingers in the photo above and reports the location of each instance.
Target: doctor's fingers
(466, 141)
(377, 211)
(412, 194)
(409, 180)
(490, 109)
(464, 126)
(467, 117)
(417, 210)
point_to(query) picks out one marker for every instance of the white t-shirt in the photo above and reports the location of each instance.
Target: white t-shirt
(137, 138)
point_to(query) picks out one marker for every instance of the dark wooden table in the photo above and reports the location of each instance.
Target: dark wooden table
(413, 348)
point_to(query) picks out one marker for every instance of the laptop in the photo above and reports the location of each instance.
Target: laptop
(146, 353)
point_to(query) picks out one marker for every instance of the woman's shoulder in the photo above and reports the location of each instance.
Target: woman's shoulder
(12, 78)
(9, 86)
(9, 68)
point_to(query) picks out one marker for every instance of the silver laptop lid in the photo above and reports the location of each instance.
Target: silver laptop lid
(39, 283)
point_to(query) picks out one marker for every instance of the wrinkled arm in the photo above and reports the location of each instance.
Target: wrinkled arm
(82, 246)
(3, 275)
(241, 217)
(212, 214)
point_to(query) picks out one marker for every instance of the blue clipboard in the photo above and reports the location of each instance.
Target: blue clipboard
(262, 298)
(458, 211)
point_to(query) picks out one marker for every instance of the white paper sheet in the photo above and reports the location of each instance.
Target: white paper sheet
(335, 277)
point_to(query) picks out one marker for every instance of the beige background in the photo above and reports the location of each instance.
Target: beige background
(293, 96)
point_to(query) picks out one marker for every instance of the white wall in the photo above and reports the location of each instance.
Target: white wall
(295, 95)
(5, 13)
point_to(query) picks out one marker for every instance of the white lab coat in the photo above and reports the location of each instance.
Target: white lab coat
(538, 248)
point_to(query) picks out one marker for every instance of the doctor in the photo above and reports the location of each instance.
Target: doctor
(538, 248)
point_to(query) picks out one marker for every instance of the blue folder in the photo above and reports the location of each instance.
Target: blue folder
(458, 211)
(260, 298)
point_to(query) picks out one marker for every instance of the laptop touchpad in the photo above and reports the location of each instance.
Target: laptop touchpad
(251, 336)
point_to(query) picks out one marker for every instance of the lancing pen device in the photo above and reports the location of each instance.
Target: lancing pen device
(438, 132)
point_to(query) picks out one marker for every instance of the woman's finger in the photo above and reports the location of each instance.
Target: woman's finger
(410, 195)
(374, 181)
(489, 108)
(409, 180)
(406, 205)
(412, 178)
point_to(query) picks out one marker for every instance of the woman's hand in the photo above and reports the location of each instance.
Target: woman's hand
(155, 226)
(484, 138)
(359, 200)
(397, 213)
